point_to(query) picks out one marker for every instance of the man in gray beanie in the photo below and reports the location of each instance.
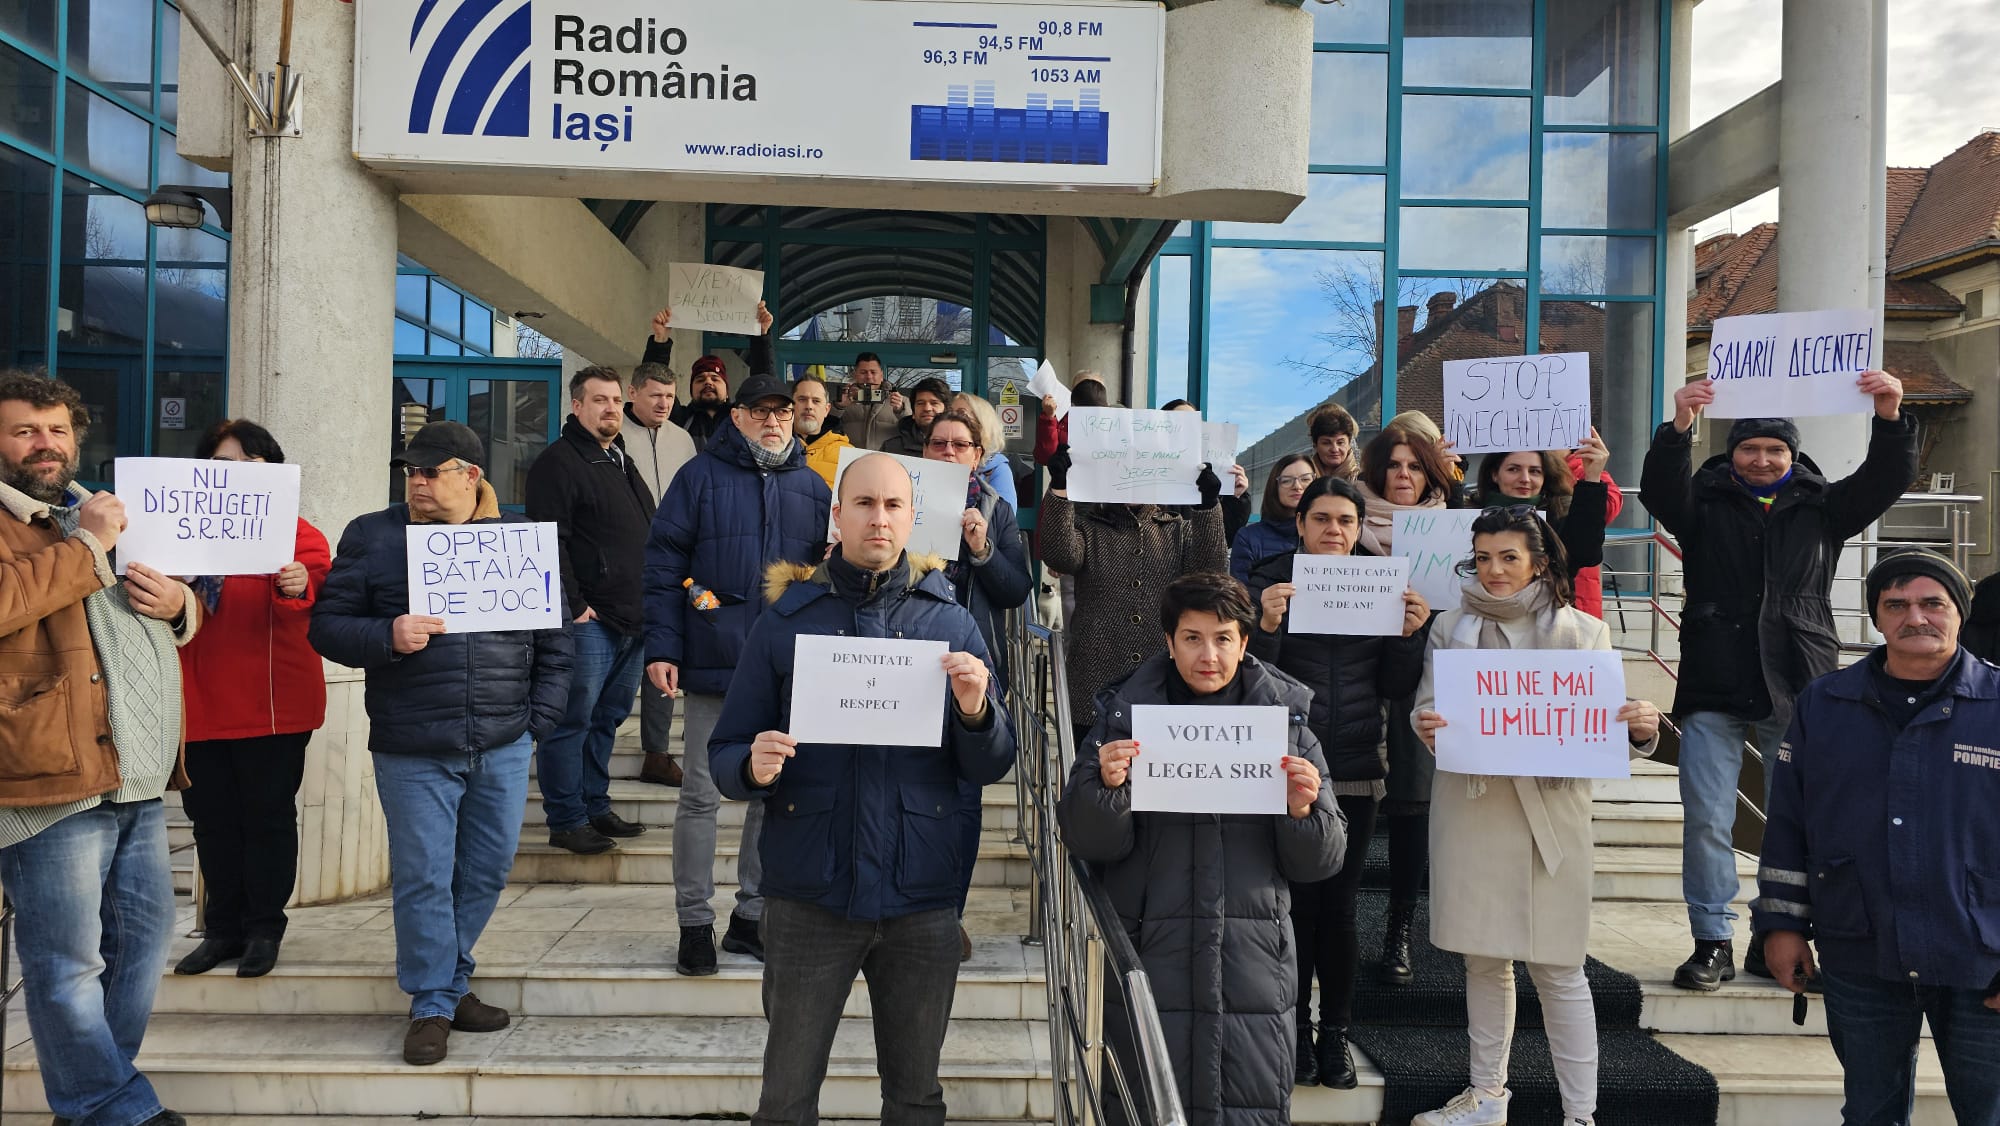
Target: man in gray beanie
(1760, 532)
(1881, 850)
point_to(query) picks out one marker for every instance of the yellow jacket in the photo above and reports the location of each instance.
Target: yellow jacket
(823, 454)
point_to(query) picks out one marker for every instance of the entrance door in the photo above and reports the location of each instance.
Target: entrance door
(515, 406)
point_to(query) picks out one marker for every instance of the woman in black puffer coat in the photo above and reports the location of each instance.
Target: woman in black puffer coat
(1350, 677)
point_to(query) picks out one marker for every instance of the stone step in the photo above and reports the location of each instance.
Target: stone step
(1794, 1080)
(655, 1067)
(655, 806)
(1654, 782)
(648, 859)
(1636, 824)
(1653, 875)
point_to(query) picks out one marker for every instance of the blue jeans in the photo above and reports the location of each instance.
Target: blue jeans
(1875, 1025)
(454, 821)
(1711, 762)
(574, 760)
(95, 905)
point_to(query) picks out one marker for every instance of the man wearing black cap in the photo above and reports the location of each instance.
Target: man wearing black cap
(746, 502)
(1883, 850)
(1760, 532)
(452, 720)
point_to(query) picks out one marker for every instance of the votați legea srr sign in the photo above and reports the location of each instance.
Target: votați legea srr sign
(946, 91)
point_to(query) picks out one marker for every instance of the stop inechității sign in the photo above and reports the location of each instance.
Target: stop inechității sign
(1209, 759)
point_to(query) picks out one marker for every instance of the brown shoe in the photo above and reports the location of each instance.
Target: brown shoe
(660, 768)
(474, 1015)
(964, 944)
(425, 1043)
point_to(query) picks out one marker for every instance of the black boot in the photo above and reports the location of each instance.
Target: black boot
(1753, 958)
(1306, 1072)
(1396, 945)
(697, 955)
(1711, 964)
(211, 953)
(1336, 1062)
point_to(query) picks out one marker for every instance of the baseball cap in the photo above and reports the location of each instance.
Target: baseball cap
(757, 388)
(439, 442)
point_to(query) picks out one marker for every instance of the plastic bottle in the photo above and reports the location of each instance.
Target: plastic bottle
(702, 597)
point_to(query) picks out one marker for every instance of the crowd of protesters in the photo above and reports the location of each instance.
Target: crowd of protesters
(699, 540)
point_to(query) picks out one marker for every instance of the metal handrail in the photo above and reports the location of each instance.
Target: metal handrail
(1087, 952)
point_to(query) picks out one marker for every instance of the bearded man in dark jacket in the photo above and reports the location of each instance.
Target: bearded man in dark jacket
(1760, 533)
(1206, 898)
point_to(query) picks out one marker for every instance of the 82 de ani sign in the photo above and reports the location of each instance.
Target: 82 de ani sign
(873, 691)
(1539, 713)
(484, 578)
(1198, 759)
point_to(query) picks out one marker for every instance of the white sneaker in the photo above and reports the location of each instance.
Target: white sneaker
(1473, 1107)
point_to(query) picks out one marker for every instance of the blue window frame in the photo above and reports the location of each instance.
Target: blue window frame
(1528, 193)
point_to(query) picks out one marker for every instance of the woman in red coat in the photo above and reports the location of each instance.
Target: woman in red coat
(255, 693)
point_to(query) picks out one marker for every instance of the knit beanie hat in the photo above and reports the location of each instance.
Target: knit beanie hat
(1782, 429)
(1916, 561)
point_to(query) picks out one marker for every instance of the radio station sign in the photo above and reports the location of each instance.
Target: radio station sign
(1014, 94)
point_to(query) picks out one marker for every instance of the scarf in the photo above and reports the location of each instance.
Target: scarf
(209, 587)
(1552, 629)
(768, 458)
(1379, 527)
(1765, 494)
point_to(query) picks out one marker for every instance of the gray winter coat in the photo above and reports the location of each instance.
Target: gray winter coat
(1206, 900)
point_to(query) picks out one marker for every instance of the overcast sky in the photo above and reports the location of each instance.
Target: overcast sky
(1942, 87)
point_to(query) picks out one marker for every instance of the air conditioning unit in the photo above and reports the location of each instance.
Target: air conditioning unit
(1943, 482)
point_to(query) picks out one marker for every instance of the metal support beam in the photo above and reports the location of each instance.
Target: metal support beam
(1731, 159)
(1127, 255)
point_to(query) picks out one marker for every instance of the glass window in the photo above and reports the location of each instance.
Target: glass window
(409, 338)
(1351, 21)
(1593, 264)
(1463, 238)
(112, 42)
(1441, 319)
(1336, 209)
(446, 303)
(511, 416)
(444, 346)
(1465, 148)
(1350, 109)
(24, 255)
(1486, 43)
(415, 403)
(30, 99)
(197, 384)
(170, 68)
(1599, 179)
(1289, 330)
(1172, 287)
(173, 168)
(105, 139)
(98, 380)
(478, 327)
(1603, 62)
(32, 21)
(411, 290)
(1619, 337)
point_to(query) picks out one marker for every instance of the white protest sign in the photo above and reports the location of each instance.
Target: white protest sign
(873, 690)
(1218, 445)
(940, 488)
(1219, 759)
(1122, 456)
(484, 578)
(1517, 403)
(1536, 713)
(1357, 595)
(1436, 541)
(1045, 385)
(1784, 365)
(716, 298)
(188, 517)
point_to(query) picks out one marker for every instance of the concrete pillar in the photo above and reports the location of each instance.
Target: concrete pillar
(1830, 180)
(312, 317)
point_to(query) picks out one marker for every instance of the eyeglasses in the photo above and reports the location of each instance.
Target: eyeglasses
(765, 414)
(430, 472)
(1296, 481)
(951, 445)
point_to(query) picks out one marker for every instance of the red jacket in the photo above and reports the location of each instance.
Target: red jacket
(1589, 583)
(250, 672)
(1049, 433)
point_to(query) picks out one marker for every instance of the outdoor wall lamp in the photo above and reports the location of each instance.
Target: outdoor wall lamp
(179, 205)
(273, 99)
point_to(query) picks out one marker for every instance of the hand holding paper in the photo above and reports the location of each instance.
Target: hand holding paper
(1114, 762)
(1049, 387)
(1886, 390)
(410, 633)
(768, 752)
(968, 683)
(153, 594)
(1303, 778)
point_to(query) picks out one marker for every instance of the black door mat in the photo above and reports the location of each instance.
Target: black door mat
(1437, 996)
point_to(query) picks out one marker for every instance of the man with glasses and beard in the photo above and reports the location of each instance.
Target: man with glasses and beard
(90, 737)
(744, 503)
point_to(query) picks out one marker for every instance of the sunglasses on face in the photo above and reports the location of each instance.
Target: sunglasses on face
(951, 445)
(1515, 511)
(430, 472)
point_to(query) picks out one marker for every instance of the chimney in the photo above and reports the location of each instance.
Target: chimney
(1440, 303)
(1406, 322)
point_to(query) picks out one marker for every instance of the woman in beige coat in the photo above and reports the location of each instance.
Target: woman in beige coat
(1511, 857)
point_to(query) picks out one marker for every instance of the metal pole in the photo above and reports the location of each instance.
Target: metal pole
(1093, 1019)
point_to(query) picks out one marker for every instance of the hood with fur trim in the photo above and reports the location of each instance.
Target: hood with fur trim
(779, 576)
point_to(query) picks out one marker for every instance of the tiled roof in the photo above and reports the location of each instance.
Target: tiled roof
(1923, 381)
(1957, 210)
(1730, 262)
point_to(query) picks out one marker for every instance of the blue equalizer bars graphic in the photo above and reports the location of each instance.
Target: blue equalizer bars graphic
(970, 128)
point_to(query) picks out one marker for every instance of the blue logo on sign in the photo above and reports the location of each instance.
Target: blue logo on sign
(490, 94)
